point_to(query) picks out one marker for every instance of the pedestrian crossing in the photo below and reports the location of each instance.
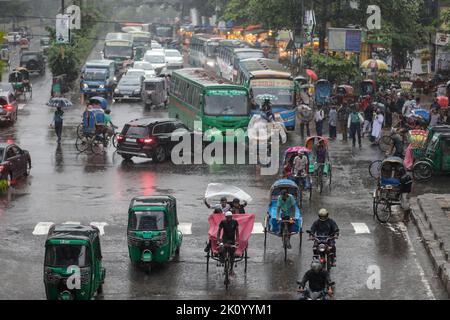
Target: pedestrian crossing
(42, 228)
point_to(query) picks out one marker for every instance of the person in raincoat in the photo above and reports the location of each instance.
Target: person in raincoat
(377, 126)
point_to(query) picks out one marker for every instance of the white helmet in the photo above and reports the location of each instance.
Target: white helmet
(323, 214)
(228, 214)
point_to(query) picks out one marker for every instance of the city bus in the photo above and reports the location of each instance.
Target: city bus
(202, 51)
(196, 96)
(267, 78)
(141, 38)
(119, 47)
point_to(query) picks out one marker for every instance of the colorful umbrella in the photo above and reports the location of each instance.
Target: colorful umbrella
(312, 74)
(374, 64)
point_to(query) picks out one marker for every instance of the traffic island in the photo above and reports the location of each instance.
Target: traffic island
(431, 215)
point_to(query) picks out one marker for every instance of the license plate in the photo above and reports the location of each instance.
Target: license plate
(126, 97)
(94, 90)
(130, 140)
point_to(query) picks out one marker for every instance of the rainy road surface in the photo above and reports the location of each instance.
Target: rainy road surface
(66, 186)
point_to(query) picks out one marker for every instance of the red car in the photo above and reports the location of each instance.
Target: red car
(14, 162)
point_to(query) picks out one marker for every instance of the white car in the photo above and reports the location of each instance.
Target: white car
(13, 37)
(157, 59)
(134, 72)
(174, 59)
(155, 45)
(147, 66)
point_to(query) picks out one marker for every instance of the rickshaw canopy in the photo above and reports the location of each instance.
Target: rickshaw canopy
(292, 187)
(102, 102)
(345, 90)
(16, 76)
(297, 150)
(312, 141)
(389, 171)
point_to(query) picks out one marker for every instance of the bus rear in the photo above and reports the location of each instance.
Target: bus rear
(121, 51)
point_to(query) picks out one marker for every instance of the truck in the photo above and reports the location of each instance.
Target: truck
(98, 78)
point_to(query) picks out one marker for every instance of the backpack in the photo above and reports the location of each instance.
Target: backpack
(355, 117)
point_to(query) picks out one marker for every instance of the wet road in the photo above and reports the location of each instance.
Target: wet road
(67, 186)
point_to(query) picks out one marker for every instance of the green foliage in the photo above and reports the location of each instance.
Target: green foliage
(63, 59)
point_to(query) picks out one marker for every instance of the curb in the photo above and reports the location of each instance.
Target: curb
(432, 243)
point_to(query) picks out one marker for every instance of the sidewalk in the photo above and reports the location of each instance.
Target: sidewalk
(431, 215)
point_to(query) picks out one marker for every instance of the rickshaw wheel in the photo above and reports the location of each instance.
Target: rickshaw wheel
(208, 255)
(301, 238)
(80, 131)
(422, 170)
(383, 210)
(375, 168)
(82, 144)
(245, 261)
(114, 140)
(265, 231)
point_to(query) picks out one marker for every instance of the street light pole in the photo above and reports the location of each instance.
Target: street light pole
(62, 6)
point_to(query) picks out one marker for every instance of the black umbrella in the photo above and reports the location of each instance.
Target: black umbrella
(59, 102)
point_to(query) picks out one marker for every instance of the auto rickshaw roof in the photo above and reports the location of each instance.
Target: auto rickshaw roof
(143, 201)
(154, 80)
(73, 232)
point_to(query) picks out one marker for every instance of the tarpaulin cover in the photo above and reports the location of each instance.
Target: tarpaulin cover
(218, 190)
(409, 158)
(246, 222)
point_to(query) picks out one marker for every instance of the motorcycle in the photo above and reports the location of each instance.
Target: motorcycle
(314, 295)
(322, 250)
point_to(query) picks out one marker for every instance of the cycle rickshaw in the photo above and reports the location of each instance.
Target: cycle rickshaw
(281, 229)
(246, 222)
(320, 171)
(289, 156)
(388, 173)
(92, 135)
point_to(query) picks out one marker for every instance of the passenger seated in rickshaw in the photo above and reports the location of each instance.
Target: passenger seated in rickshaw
(286, 211)
(230, 237)
(224, 206)
(237, 207)
(390, 175)
(288, 169)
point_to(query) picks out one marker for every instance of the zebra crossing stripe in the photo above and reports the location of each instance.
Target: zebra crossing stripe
(258, 228)
(185, 228)
(360, 228)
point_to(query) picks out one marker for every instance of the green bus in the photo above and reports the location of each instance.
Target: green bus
(196, 95)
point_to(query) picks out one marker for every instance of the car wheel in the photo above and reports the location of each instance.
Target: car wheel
(160, 154)
(28, 169)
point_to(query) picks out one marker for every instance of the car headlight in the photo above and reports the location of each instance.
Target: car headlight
(85, 85)
(101, 86)
(116, 90)
(211, 64)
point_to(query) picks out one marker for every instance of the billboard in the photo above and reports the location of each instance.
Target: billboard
(342, 39)
(62, 28)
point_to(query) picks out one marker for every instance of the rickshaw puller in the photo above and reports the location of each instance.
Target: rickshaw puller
(300, 169)
(405, 190)
(230, 237)
(326, 226)
(286, 206)
(319, 280)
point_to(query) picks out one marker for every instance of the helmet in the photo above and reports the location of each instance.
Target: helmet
(323, 214)
(228, 214)
(316, 266)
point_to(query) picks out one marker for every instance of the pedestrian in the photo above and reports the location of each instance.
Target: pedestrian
(435, 117)
(58, 122)
(318, 118)
(342, 113)
(304, 116)
(405, 190)
(368, 119)
(377, 126)
(355, 120)
(332, 122)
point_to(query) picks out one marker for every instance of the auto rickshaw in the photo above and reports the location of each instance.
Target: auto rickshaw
(73, 267)
(436, 157)
(27, 87)
(24, 44)
(153, 235)
(59, 85)
(139, 53)
(16, 79)
(368, 88)
(4, 53)
(155, 92)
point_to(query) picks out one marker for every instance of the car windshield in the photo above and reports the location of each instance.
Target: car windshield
(148, 221)
(249, 55)
(118, 51)
(155, 59)
(173, 54)
(132, 81)
(67, 255)
(95, 75)
(226, 103)
(136, 131)
(277, 96)
(143, 65)
(29, 57)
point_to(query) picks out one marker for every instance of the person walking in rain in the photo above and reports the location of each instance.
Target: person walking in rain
(355, 120)
(58, 122)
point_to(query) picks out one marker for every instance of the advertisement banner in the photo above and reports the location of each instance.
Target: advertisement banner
(62, 28)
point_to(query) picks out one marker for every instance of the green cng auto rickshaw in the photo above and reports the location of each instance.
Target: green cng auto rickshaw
(73, 263)
(436, 158)
(153, 235)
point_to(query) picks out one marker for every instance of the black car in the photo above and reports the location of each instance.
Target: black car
(129, 88)
(33, 61)
(14, 162)
(150, 138)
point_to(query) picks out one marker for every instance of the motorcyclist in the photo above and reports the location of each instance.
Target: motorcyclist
(326, 227)
(318, 281)
(267, 111)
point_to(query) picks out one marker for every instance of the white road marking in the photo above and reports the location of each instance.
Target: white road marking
(21, 106)
(42, 228)
(185, 228)
(101, 226)
(425, 282)
(72, 222)
(258, 228)
(360, 228)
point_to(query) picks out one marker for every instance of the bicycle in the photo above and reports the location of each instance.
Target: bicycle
(286, 234)
(301, 182)
(225, 249)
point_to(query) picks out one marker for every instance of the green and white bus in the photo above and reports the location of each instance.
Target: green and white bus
(196, 95)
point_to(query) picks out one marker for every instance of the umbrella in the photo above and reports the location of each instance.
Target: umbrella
(312, 74)
(374, 64)
(59, 102)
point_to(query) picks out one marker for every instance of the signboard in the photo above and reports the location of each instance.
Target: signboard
(270, 83)
(442, 39)
(62, 28)
(341, 39)
(353, 41)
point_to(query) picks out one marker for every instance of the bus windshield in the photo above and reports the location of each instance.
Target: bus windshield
(118, 51)
(226, 103)
(211, 49)
(278, 96)
(67, 255)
